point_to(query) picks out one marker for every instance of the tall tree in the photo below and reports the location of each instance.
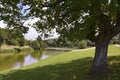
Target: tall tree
(97, 20)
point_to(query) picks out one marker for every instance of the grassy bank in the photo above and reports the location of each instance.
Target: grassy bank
(73, 65)
(5, 49)
(12, 51)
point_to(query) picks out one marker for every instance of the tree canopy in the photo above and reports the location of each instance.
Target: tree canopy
(11, 14)
(76, 18)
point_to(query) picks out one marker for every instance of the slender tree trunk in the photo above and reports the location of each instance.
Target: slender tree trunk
(100, 59)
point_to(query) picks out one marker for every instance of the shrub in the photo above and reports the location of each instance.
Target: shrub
(35, 45)
(82, 44)
(90, 43)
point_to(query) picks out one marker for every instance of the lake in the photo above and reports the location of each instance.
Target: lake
(18, 60)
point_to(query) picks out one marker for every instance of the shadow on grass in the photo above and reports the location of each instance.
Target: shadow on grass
(68, 71)
(74, 70)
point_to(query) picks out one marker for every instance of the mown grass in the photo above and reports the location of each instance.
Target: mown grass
(73, 65)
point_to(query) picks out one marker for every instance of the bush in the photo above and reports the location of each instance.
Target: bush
(90, 43)
(82, 44)
(35, 45)
(115, 41)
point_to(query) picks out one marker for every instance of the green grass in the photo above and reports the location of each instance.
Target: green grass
(73, 65)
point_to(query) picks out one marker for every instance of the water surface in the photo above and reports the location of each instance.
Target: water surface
(22, 59)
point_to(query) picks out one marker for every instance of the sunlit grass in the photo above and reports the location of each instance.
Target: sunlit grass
(73, 65)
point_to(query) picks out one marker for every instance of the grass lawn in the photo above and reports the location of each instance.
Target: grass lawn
(73, 65)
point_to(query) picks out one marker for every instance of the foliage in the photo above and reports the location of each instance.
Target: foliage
(98, 21)
(12, 37)
(76, 19)
(35, 45)
(1, 41)
(41, 43)
(82, 44)
(12, 15)
(68, 44)
(73, 65)
(116, 39)
(21, 43)
(51, 43)
(90, 43)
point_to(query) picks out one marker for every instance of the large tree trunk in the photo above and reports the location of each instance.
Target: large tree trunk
(100, 59)
(105, 34)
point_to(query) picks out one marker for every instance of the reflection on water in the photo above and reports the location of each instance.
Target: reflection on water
(23, 59)
(27, 60)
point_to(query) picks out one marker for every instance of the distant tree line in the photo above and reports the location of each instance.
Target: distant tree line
(69, 44)
(61, 43)
(64, 43)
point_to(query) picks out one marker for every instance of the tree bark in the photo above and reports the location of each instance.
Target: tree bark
(100, 59)
(105, 34)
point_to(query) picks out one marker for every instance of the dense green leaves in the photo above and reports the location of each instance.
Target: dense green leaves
(70, 18)
(1, 41)
(78, 18)
(11, 14)
(11, 37)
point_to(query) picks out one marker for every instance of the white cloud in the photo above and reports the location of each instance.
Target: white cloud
(2, 25)
(32, 34)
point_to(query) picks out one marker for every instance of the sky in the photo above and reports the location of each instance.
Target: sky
(32, 33)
